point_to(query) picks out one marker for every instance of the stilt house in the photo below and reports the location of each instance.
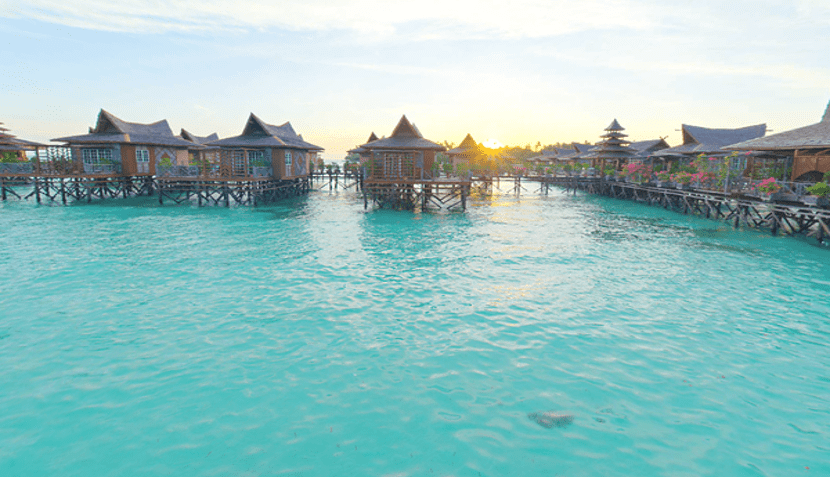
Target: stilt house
(403, 155)
(809, 148)
(467, 152)
(362, 151)
(204, 156)
(119, 147)
(265, 150)
(11, 146)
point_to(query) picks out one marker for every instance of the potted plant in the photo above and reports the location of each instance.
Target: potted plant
(682, 178)
(768, 187)
(663, 178)
(447, 168)
(436, 170)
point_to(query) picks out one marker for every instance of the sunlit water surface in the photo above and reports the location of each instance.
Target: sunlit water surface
(312, 338)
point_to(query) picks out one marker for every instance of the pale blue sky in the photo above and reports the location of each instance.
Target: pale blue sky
(519, 71)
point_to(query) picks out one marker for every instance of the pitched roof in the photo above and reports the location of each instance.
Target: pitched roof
(649, 147)
(467, 145)
(697, 140)
(361, 149)
(614, 126)
(405, 137)
(814, 136)
(8, 142)
(258, 133)
(112, 130)
(198, 139)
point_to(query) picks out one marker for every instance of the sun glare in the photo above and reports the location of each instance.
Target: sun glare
(492, 144)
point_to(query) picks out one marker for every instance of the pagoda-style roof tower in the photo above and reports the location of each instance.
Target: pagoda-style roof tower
(614, 146)
(10, 143)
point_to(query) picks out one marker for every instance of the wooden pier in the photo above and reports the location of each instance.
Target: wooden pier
(76, 187)
(408, 194)
(783, 217)
(242, 191)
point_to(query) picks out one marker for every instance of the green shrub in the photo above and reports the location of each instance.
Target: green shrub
(820, 189)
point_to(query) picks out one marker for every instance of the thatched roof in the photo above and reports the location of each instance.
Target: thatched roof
(258, 133)
(467, 145)
(8, 142)
(361, 149)
(815, 136)
(112, 130)
(201, 140)
(405, 137)
(650, 147)
(697, 140)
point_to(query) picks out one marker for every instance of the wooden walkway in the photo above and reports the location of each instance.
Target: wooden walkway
(787, 218)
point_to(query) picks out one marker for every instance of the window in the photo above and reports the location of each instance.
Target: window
(95, 157)
(142, 160)
(238, 162)
(254, 160)
(398, 164)
(288, 163)
(738, 163)
(142, 155)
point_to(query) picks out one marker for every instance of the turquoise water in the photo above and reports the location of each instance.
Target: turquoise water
(311, 338)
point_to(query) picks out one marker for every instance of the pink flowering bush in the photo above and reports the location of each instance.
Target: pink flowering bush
(682, 177)
(663, 176)
(638, 172)
(768, 186)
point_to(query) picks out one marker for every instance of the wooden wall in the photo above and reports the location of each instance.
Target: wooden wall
(128, 166)
(806, 161)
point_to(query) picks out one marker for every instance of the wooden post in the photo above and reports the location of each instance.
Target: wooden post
(37, 189)
(3, 187)
(63, 192)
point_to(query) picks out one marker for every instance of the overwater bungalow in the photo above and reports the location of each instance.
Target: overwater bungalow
(581, 154)
(807, 147)
(403, 155)
(265, 150)
(202, 155)
(648, 149)
(117, 147)
(362, 152)
(13, 153)
(466, 153)
(9, 143)
(710, 141)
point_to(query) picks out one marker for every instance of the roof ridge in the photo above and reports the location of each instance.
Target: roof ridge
(405, 128)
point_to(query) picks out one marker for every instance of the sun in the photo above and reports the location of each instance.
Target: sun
(492, 144)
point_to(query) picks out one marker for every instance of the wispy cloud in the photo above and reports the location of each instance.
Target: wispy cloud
(517, 19)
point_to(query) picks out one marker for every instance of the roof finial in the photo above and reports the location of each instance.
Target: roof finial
(826, 117)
